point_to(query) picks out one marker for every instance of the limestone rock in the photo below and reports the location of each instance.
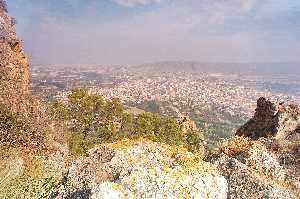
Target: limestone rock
(248, 183)
(267, 158)
(110, 190)
(144, 169)
(270, 119)
(254, 169)
(188, 124)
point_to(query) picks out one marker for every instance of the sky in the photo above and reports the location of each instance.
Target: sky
(78, 32)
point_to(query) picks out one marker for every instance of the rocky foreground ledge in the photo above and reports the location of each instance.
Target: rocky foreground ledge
(263, 166)
(144, 169)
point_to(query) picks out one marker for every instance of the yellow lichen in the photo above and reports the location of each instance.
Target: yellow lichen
(237, 146)
(116, 186)
(188, 161)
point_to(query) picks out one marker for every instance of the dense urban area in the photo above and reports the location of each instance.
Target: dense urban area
(218, 103)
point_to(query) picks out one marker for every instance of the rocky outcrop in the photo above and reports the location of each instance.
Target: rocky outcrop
(32, 150)
(271, 120)
(14, 69)
(254, 169)
(144, 169)
(188, 124)
(264, 162)
(7, 23)
(30, 114)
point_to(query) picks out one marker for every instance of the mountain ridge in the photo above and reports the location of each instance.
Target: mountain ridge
(268, 69)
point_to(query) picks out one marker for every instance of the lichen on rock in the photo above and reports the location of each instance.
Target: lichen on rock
(253, 170)
(263, 162)
(146, 169)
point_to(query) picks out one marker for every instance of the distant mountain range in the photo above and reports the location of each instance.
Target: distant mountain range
(284, 69)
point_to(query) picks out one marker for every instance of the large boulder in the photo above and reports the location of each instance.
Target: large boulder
(145, 169)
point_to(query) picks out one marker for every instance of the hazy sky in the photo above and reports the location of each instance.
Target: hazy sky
(138, 31)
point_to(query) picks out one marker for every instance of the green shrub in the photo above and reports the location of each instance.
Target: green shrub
(27, 188)
(77, 144)
(93, 120)
(194, 143)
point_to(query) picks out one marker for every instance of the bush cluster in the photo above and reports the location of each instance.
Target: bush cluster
(92, 120)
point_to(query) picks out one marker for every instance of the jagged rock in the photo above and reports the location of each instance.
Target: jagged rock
(3, 6)
(145, 169)
(15, 98)
(188, 124)
(7, 29)
(268, 158)
(248, 183)
(33, 155)
(14, 68)
(270, 119)
(254, 168)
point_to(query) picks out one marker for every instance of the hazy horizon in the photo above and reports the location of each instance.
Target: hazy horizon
(112, 32)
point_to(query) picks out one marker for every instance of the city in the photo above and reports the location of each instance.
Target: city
(218, 103)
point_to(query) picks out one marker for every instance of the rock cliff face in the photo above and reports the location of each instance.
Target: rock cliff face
(14, 69)
(15, 98)
(271, 120)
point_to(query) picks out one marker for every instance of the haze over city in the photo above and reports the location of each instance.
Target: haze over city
(74, 32)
